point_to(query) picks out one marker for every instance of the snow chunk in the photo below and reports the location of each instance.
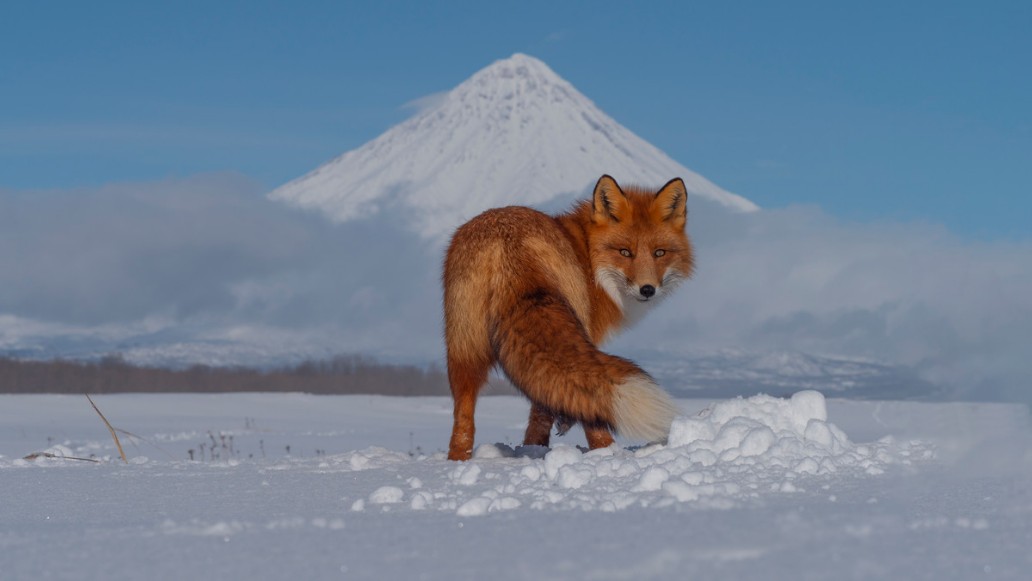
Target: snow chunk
(808, 405)
(560, 456)
(421, 500)
(574, 477)
(386, 495)
(682, 491)
(201, 529)
(476, 507)
(757, 441)
(482, 505)
(531, 472)
(652, 479)
(466, 474)
(504, 503)
(806, 466)
(493, 451)
(368, 459)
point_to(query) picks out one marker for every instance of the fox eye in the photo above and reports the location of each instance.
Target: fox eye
(659, 253)
(625, 253)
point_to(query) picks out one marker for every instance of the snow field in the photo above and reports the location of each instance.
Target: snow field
(358, 487)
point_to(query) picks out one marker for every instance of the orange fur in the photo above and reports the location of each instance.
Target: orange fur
(535, 294)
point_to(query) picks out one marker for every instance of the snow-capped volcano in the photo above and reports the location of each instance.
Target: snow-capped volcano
(513, 133)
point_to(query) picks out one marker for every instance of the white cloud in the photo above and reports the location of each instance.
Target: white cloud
(958, 311)
(426, 102)
(85, 268)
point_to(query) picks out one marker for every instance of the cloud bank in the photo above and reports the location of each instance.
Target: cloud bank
(957, 311)
(202, 259)
(206, 268)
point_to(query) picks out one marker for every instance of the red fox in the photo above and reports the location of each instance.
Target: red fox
(535, 294)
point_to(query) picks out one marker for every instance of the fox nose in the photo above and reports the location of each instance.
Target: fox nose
(647, 291)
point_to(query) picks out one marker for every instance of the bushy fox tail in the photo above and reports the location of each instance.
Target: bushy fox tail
(545, 351)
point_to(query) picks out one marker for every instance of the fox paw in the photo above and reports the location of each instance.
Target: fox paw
(563, 424)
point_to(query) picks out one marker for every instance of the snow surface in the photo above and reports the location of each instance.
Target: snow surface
(311, 487)
(513, 133)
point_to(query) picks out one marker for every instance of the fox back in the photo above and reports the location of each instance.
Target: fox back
(535, 294)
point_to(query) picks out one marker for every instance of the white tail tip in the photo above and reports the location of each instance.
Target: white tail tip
(642, 409)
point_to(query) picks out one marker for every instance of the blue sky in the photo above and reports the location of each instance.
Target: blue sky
(873, 111)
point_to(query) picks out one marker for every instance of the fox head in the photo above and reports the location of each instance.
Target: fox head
(639, 248)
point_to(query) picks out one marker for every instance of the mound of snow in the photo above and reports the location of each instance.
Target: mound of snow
(733, 451)
(761, 426)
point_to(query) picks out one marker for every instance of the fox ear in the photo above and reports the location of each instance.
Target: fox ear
(671, 203)
(608, 204)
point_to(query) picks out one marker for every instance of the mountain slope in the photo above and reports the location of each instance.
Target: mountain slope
(514, 133)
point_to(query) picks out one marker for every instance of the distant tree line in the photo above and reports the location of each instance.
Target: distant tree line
(348, 374)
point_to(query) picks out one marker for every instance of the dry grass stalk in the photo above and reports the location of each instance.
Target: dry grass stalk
(133, 437)
(37, 455)
(110, 427)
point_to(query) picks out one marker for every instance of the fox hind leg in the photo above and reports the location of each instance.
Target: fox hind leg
(466, 379)
(598, 436)
(539, 426)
